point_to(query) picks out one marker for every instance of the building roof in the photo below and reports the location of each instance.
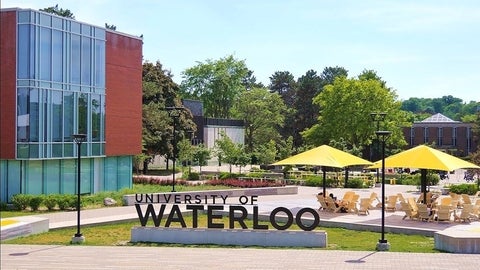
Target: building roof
(438, 118)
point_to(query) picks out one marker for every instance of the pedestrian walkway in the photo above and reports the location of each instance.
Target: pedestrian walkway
(182, 258)
(88, 257)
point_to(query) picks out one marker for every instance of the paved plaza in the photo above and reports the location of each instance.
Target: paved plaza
(124, 257)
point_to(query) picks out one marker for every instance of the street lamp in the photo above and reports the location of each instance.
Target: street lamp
(174, 112)
(377, 118)
(78, 139)
(382, 244)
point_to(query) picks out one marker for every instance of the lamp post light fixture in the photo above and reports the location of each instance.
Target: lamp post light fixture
(377, 118)
(78, 139)
(174, 113)
(382, 244)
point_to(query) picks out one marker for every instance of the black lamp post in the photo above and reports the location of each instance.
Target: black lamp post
(377, 118)
(174, 112)
(383, 245)
(78, 139)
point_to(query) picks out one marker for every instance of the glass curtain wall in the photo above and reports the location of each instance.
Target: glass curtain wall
(60, 86)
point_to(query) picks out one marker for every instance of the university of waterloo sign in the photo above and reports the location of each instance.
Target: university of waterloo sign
(212, 204)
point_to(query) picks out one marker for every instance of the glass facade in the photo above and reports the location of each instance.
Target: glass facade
(60, 86)
(60, 92)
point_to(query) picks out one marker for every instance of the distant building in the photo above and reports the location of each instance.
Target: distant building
(209, 129)
(451, 136)
(61, 77)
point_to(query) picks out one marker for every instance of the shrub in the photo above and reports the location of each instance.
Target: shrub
(3, 206)
(314, 181)
(50, 201)
(35, 202)
(21, 201)
(469, 189)
(355, 183)
(433, 179)
(227, 175)
(193, 176)
(65, 201)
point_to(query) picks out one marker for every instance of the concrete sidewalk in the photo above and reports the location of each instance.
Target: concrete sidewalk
(93, 257)
(88, 257)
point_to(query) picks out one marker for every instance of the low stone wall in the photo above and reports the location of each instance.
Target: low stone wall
(230, 237)
(24, 226)
(231, 193)
(458, 240)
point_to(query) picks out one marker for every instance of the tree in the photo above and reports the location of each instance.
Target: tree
(262, 113)
(59, 11)
(329, 74)
(309, 85)
(226, 150)
(267, 153)
(345, 113)
(185, 152)
(110, 26)
(216, 83)
(250, 81)
(284, 84)
(159, 91)
(201, 155)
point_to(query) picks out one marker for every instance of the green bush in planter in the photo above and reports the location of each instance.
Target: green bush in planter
(355, 183)
(469, 189)
(50, 201)
(21, 201)
(35, 202)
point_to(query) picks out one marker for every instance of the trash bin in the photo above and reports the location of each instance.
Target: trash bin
(393, 181)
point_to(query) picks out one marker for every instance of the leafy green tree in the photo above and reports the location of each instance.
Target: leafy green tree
(159, 91)
(309, 85)
(231, 153)
(59, 11)
(201, 155)
(285, 148)
(185, 152)
(262, 113)
(329, 74)
(284, 84)
(267, 153)
(250, 81)
(216, 83)
(345, 113)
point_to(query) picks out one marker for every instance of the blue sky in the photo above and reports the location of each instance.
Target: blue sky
(424, 49)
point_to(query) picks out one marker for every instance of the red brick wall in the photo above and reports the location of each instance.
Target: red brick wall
(123, 95)
(7, 83)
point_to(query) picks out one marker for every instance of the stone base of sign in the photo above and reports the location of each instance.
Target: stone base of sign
(241, 237)
(23, 226)
(459, 239)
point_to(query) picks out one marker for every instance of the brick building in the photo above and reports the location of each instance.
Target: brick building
(61, 77)
(453, 137)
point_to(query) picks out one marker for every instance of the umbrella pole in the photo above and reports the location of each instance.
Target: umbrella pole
(324, 181)
(423, 184)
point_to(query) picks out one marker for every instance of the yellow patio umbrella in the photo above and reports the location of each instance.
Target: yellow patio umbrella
(425, 158)
(325, 156)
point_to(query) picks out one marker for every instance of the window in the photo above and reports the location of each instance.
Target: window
(23, 117)
(25, 52)
(86, 60)
(57, 116)
(57, 56)
(45, 53)
(75, 60)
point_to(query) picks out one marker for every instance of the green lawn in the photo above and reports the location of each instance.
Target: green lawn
(338, 239)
